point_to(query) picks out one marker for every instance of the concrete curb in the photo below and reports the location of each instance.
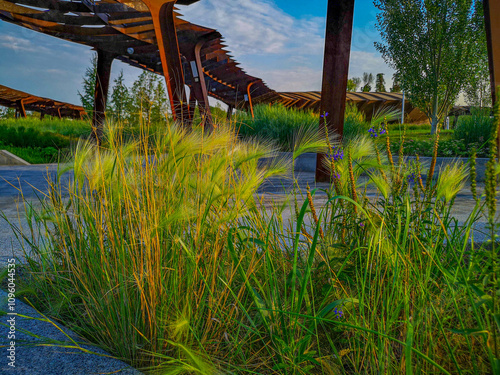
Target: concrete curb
(48, 360)
(7, 158)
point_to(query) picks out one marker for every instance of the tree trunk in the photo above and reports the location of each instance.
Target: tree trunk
(434, 117)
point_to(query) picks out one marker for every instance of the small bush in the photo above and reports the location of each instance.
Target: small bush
(29, 137)
(476, 128)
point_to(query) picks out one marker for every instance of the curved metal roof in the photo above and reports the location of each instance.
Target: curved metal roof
(367, 102)
(125, 28)
(12, 98)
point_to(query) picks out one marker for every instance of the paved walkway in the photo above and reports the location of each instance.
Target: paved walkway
(36, 360)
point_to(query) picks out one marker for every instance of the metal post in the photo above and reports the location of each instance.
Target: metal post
(230, 109)
(104, 62)
(335, 71)
(162, 13)
(199, 88)
(492, 26)
(403, 109)
(21, 109)
(250, 97)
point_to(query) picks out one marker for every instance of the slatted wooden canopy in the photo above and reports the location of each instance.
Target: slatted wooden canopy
(23, 102)
(367, 102)
(125, 29)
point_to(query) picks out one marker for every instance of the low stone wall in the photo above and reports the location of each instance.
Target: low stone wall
(307, 163)
(6, 158)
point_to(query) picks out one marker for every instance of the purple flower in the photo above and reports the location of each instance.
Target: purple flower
(338, 154)
(382, 132)
(411, 178)
(338, 313)
(324, 114)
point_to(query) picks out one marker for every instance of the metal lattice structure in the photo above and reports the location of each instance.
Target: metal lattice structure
(23, 102)
(367, 102)
(126, 30)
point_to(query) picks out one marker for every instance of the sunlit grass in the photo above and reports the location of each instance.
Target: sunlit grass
(171, 262)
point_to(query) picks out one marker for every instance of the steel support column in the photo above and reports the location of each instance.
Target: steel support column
(335, 72)
(199, 87)
(21, 109)
(492, 25)
(104, 62)
(230, 109)
(162, 13)
(249, 93)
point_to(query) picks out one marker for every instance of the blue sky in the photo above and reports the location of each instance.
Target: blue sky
(280, 41)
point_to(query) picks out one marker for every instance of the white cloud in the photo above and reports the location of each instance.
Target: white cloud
(286, 52)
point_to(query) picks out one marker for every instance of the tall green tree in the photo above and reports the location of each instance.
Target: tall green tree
(431, 44)
(353, 84)
(396, 84)
(87, 97)
(380, 83)
(120, 98)
(148, 99)
(367, 82)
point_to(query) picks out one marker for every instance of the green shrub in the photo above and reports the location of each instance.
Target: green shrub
(476, 128)
(275, 123)
(30, 137)
(67, 127)
(281, 125)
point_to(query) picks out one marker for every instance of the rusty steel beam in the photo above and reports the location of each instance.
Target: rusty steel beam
(492, 26)
(249, 93)
(335, 70)
(230, 109)
(21, 109)
(198, 85)
(162, 13)
(104, 62)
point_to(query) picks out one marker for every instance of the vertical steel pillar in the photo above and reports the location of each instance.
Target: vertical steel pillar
(335, 71)
(21, 109)
(104, 61)
(230, 109)
(199, 87)
(492, 25)
(250, 97)
(192, 105)
(162, 13)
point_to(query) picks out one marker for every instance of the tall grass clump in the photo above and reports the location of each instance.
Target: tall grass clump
(476, 128)
(66, 127)
(276, 123)
(173, 263)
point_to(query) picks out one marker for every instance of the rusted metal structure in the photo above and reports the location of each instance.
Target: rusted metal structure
(23, 102)
(492, 25)
(338, 36)
(150, 35)
(367, 102)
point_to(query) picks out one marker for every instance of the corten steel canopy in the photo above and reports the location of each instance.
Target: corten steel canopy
(23, 102)
(367, 102)
(150, 35)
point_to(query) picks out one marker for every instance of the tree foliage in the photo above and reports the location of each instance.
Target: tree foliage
(148, 99)
(380, 83)
(396, 85)
(367, 82)
(431, 43)
(120, 98)
(353, 84)
(87, 97)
